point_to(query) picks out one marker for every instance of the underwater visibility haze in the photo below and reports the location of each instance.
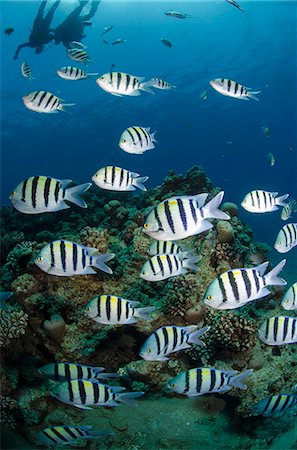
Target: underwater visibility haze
(148, 224)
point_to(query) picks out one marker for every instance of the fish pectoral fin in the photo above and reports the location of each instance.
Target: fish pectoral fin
(134, 93)
(88, 271)
(116, 95)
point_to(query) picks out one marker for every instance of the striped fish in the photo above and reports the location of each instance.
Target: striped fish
(65, 258)
(41, 194)
(279, 330)
(120, 83)
(201, 380)
(66, 434)
(160, 84)
(26, 71)
(78, 55)
(275, 404)
(76, 44)
(137, 140)
(161, 267)
(236, 287)
(170, 339)
(64, 371)
(263, 201)
(115, 178)
(164, 247)
(286, 238)
(181, 217)
(74, 73)
(44, 102)
(113, 310)
(233, 89)
(289, 301)
(288, 209)
(83, 393)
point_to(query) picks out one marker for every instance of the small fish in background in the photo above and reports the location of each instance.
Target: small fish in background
(271, 159)
(64, 259)
(85, 393)
(118, 41)
(4, 296)
(167, 247)
(160, 84)
(289, 302)
(266, 131)
(170, 339)
(204, 95)
(106, 29)
(183, 216)
(78, 55)
(286, 238)
(203, 380)
(77, 45)
(64, 371)
(26, 71)
(105, 41)
(229, 142)
(44, 102)
(113, 310)
(162, 267)
(178, 15)
(166, 43)
(234, 3)
(8, 31)
(115, 178)
(289, 209)
(137, 140)
(274, 404)
(41, 194)
(67, 434)
(120, 83)
(234, 288)
(74, 73)
(259, 201)
(233, 89)
(278, 330)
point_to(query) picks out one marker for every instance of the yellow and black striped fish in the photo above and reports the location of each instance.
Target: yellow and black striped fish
(66, 434)
(26, 71)
(203, 380)
(279, 330)
(64, 371)
(289, 302)
(44, 102)
(78, 55)
(74, 73)
(115, 178)
(160, 84)
(65, 258)
(164, 247)
(120, 83)
(41, 194)
(137, 140)
(113, 310)
(286, 238)
(83, 393)
(233, 89)
(161, 267)
(275, 404)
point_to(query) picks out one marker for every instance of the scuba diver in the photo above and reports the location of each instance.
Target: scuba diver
(41, 33)
(72, 28)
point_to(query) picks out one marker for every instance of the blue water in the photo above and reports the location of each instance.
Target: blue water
(257, 49)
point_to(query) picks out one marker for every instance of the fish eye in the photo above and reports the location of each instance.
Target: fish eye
(12, 193)
(39, 259)
(145, 225)
(88, 309)
(149, 350)
(209, 297)
(123, 141)
(173, 385)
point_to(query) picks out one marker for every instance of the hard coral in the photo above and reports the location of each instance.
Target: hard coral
(8, 407)
(12, 325)
(95, 237)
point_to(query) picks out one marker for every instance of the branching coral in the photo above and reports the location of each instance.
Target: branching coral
(12, 325)
(8, 408)
(17, 261)
(95, 237)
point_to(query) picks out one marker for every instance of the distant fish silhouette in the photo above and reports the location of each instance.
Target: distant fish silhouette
(166, 43)
(118, 41)
(178, 15)
(107, 29)
(105, 42)
(8, 31)
(234, 3)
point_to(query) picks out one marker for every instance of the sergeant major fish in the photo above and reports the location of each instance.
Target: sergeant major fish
(166, 247)
(262, 201)
(44, 102)
(113, 310)
(77, 45)
(118, 41)
(236, 287)
(42, 194)
(289, 302)
(202, 380)
(233, 89)
(106, 29)
(120, 83)
(288, 209)
(67, 434)
(275, 404)
(183, 216)
(78, 55)
(161, 267)
(170, 339)
(279, 330)
(65, 258)
(137, 140)
(74, 73)
(286, 238)
(115, 178)
(26, 71)
(85, 393)
(159, 84)
(64, 371)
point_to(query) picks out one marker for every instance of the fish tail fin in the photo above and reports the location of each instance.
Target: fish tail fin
(63, 107)
(252, 95)
(211, 209)
(144, 313)
(129, 397)
(190, 263)
(100, 260)
(236, 380)
(194, 338)
(153, 136)
(272, 278)
(73, 194)
(138, 182)
(145, 87)
(280, 201)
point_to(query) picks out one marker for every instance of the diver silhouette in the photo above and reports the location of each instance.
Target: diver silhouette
(72, 28)
(41, 32)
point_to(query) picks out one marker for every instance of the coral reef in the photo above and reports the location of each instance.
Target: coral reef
(13, 324)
